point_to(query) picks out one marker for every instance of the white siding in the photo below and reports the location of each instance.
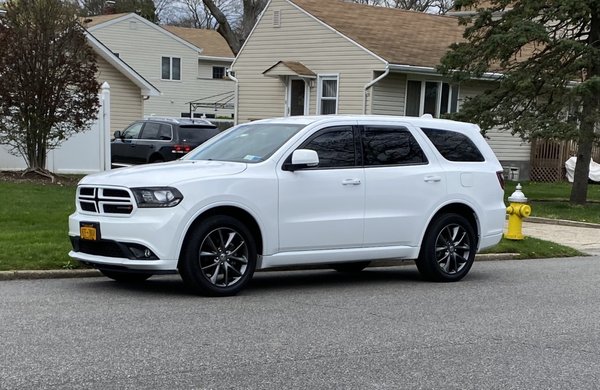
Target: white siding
(142, 47)
(506, 146)
(299, 38)
(388, 95)
(126, 99)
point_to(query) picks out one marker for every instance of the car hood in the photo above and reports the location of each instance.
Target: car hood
(165, 174)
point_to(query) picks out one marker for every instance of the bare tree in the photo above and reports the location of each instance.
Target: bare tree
(49, 89)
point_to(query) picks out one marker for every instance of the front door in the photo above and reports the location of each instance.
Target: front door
(297, 98)
(323, 207)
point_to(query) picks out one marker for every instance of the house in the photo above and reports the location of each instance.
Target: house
(128, 89)
(315, 57)
(89, 151)
(187, 65)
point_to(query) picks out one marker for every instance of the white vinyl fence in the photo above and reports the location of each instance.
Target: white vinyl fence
(85, 152)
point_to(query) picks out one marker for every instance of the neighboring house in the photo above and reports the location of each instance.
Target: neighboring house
(187, 65)
(128, 89)
(331, 57)
(90, 151)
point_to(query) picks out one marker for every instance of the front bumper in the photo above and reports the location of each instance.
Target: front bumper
(148, 240)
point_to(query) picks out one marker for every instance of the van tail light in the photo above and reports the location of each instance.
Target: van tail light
(500, 175)
(181, 149)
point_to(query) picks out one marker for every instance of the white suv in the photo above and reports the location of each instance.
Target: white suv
(338, 190)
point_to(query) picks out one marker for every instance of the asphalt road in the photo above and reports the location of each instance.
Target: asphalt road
(531, 324)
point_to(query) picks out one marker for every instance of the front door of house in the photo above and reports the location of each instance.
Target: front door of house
(297, 97)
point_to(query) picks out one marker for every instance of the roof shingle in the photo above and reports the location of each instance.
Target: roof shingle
(398, 36)
(210, 41)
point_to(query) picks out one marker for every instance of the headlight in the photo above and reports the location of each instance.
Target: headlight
(157, 197)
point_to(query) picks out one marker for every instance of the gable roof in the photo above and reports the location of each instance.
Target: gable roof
(211, 42)
(90, 21)
(398, 36)
(146, 88)
(94, 23)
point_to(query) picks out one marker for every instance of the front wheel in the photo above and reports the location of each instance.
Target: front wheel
(448, 249)
(219, 257)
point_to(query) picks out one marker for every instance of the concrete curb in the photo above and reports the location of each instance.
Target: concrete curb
(49, 274)
(563, 222)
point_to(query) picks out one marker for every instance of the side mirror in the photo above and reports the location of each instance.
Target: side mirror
(118, 134)
(302, 158)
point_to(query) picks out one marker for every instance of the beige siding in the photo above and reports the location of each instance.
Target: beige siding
(142, 47)
(125, 98)
(506, 146)
(299, 38)
(388, 95)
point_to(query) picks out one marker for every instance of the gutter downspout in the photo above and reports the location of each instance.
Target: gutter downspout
(370, 84)
(237, 97)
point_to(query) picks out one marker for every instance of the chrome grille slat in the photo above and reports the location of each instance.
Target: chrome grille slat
(105, 200)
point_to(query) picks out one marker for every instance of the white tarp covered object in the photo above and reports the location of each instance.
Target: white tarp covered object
(594, 169)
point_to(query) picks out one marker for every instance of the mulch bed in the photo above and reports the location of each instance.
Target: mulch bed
(35, 178)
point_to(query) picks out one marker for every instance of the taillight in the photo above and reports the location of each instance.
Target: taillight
(500, 175)
(181, 149)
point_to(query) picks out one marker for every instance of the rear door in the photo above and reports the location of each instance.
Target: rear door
(404, 183)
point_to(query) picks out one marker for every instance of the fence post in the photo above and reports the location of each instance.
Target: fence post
(105, 128)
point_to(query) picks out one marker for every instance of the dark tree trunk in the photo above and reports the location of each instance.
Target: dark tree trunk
(591, 106)
(224, 27)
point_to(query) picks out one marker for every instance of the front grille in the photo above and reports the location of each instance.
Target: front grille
(98, 248)
(110, 248)
(102, 200)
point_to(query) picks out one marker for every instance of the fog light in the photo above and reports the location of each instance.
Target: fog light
(140, 252)
(147, 253)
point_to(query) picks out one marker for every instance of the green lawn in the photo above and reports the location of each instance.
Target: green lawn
(551, 200)
(34, 233)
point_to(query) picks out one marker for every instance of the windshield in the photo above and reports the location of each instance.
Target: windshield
(249, 143)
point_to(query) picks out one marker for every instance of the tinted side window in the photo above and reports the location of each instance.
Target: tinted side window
(133, 131)
(164, 133)
(335, 147)
(454, 146)
(150, 130)
(391, 146)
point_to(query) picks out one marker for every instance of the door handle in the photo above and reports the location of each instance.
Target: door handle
(351, 182)
(431, 179)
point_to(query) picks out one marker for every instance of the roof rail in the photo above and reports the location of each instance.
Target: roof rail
(200, 121)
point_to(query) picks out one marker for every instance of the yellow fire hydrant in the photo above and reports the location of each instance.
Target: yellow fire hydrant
(517, 210)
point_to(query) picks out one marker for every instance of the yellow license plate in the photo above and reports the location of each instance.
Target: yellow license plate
(88, 233)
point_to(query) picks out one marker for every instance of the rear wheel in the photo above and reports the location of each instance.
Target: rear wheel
(448, 250)
(356, 266)
(219, 257)
(126, 277)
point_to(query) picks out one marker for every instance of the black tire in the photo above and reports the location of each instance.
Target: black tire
(126, 277)
(356, 266)
(448, 249)
(219, 257)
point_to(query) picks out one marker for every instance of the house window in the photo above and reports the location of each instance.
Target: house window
(328, 95)
(430, 97)
(218, 72)
(171, 68)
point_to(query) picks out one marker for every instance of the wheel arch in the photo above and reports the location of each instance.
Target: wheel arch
(456, 208)
(232, 211)
(156, 156)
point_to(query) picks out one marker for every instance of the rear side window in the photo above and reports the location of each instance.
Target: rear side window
(454, 146)
(391, 146)
(150, 130)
